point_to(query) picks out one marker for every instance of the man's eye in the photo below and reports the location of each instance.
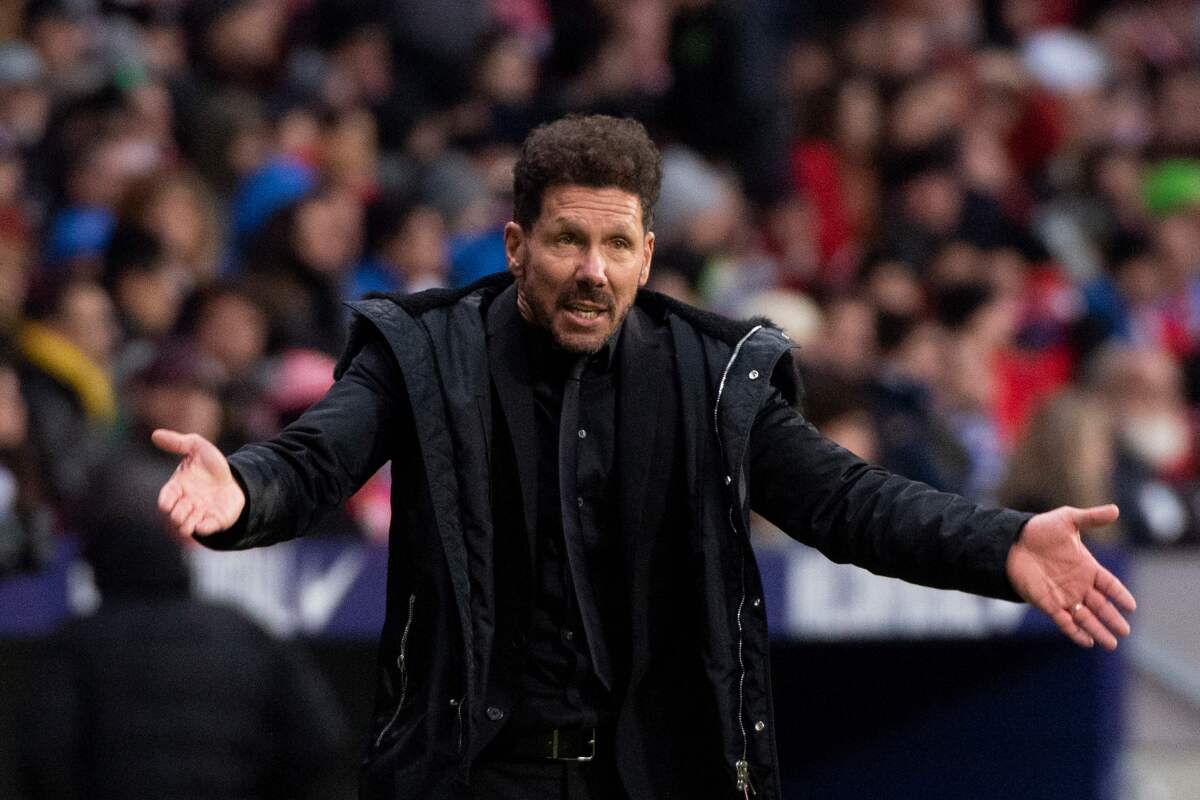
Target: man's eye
(565, 238)
(620, 243)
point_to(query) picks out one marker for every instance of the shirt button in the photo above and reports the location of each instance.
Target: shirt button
(494, 713)
(568, 634)
(582, 433)
(753, 374)
(579, 502)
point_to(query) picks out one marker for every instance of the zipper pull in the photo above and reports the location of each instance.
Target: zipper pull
(743, 778)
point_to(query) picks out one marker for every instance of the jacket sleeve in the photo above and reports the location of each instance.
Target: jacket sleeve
(825, 496)
(322, 458)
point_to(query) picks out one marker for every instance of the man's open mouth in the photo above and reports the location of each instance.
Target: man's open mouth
(585, 310)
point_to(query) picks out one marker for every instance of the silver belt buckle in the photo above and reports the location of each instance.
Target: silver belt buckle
(554, 748)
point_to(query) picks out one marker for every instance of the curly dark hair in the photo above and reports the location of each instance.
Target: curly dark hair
(593, 150)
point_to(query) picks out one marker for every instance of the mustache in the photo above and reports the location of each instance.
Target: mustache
(594, 297)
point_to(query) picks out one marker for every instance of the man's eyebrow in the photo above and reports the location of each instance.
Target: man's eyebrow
(615, 228)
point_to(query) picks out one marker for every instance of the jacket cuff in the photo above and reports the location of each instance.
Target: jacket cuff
(1001, 534)
(236, 536)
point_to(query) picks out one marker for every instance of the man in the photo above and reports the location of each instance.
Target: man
(571, 582)
(159, 694)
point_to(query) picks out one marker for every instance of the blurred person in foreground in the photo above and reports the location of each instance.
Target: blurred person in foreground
(159, 694)
(573, 605)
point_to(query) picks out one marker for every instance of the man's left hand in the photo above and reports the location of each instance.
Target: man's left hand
(1052, 570)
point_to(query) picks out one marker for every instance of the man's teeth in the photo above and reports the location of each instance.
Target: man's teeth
(586, 313)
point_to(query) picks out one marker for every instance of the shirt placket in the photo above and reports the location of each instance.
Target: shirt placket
(572, 436)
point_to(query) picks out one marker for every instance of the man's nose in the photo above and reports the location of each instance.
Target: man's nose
(592, 269)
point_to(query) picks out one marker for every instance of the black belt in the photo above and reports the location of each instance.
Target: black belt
(562, 744)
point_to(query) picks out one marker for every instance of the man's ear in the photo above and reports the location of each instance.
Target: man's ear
(514, 248)
(648, 252)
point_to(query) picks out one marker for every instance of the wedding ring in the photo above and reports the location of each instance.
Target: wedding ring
(1078, 606)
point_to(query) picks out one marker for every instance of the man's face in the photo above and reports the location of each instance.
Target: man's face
(579, 267)
(180, 407)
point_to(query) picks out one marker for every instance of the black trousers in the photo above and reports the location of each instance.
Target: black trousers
(498, 779)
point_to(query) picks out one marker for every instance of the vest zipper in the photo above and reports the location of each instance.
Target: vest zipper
(458, 704)
(402, 664)
(742, 765)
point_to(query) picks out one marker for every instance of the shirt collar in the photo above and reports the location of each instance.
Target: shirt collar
(547, 357)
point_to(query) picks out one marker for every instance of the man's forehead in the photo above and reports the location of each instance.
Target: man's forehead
(573, 201)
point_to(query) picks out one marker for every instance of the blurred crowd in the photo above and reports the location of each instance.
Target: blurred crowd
(978, 219)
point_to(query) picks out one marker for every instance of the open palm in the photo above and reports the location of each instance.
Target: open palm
(1052, 570)
(201, 496)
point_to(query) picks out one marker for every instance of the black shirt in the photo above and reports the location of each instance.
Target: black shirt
(559, 685)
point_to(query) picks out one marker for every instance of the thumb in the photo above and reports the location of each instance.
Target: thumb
(171, 441)
(1094, 517)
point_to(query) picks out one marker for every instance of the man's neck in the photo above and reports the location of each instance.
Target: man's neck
(547, 356)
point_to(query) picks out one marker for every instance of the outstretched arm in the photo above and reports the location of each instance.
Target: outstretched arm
(853, 512)
(276, 490)
(857, 513)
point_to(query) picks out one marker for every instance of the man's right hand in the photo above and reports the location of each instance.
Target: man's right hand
(202, 496)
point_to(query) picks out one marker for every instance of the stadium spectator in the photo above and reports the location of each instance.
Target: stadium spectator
(161, 695)
(1067, 457)
(26, 520)
(67, 346)
(407, 243)
(297, 267)
(179, 208)
(1155, 471)
(230, 327)
(914, 437)
(146, 286)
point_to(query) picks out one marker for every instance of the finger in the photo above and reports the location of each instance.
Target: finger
(208, 524)
(1085, 619)
(1106, 613)
(189, 524)
(1094, 517)
(168, 495)
(1062, 618)
(171, 441)
(180, 513)
(210, 457)
(1109, 584)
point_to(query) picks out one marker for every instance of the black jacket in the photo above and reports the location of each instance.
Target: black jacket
(170, 697)
(161, 695)
(713, 436)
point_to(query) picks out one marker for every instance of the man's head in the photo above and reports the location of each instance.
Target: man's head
(580, 244)
(178, 388)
